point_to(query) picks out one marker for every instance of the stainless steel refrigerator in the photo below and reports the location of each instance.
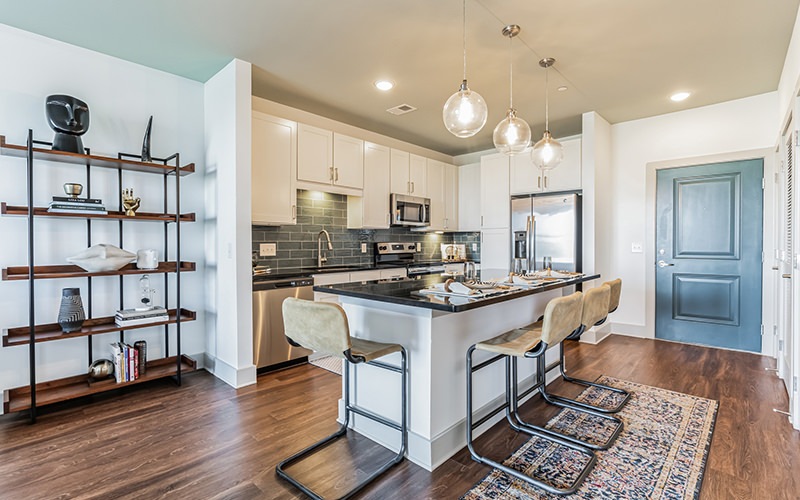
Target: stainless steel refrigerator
(546, 225)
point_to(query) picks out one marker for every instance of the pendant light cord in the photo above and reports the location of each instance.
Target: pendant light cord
(511, 72)
(464, 32)
(546, 100)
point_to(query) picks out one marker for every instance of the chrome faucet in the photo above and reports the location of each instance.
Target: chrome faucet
(322, 258)
(469, 270)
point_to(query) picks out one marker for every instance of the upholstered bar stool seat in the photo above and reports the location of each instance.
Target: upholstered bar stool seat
(323, 327)
(532, 341)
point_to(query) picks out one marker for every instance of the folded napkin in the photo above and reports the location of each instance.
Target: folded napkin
(554, 274)
(456, 288)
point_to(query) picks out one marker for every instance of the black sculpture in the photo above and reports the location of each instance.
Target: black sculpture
(146, 142)
(69, 117)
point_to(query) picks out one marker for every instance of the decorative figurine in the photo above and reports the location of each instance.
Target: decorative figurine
(102, 258)
(146, 142)
(69, 117)
(101, 368)
(129, 203)
(71, 315)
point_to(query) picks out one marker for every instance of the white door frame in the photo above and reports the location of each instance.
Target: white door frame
(767, 275)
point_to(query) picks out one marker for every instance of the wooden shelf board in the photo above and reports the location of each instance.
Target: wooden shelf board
(70, 271)
(64, 389)
(94, 326)
(42, 212)
(91, 160)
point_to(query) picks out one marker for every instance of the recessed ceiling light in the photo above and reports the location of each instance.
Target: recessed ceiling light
(680, 96)
(562, 88)
(384, 85)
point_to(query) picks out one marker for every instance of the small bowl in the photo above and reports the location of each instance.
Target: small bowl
(73, 189)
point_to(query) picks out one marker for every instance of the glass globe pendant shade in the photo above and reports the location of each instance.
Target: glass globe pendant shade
(547, 153)
(512, 135)
(465, 113)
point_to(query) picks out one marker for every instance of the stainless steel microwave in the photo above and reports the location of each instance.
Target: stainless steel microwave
(410, 210)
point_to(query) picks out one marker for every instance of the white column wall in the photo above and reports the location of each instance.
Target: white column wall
(228, 238)
(121, 96)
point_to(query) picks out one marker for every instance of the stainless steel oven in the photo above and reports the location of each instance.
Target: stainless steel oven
(410, 210)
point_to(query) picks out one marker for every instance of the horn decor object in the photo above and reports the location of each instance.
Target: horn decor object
(71, 314)
(101, 258)
(146, 142)
(69, 118)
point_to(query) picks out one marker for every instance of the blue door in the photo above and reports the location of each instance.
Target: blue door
(708, 254)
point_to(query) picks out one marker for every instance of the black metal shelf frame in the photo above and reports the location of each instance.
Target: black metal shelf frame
(31, 143)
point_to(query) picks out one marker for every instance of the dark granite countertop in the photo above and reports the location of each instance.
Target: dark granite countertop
(307, 272)
(403, 292)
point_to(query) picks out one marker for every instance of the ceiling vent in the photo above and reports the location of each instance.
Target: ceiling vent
(401, 109)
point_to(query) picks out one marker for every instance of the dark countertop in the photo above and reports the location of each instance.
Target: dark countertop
(307, 272)
(402, 292)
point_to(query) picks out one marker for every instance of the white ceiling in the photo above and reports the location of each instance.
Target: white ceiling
(621, 58)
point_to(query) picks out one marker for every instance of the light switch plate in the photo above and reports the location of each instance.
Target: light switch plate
(474, 247)
(267, 249)
(636, 247)
(419, 247)
(363, 248)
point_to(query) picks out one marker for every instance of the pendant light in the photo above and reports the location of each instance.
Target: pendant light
(465, 112)
(512, 135)
(548, 152)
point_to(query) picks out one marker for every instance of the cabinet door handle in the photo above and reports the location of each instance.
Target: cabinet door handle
(330, 174)
(408, 187)
(388, 219)
(481, 220)
(412, 186)
(336, 174)
(445, 222)
(539, 179)
(545, 181)
(294, 212)
(787, 276)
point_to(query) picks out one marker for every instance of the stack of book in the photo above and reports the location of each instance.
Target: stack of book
(75, 205)
(132, 317)
(126, 362)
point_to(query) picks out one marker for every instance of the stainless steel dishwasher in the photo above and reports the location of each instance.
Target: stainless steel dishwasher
(270, 348)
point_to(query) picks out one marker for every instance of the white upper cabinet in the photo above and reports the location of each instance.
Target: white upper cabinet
(371, 210)
(274, 170)
(409, 173)
(526, 178)
(328, 158)
(469, 197)
(450, 197)
(495, 196)
(435, 185)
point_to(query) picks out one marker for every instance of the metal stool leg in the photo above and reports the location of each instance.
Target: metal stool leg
(614, 409)
(402, 428)
(509, 402)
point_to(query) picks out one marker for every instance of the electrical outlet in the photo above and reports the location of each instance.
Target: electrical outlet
(636, 247)
(474, 247)
(267, 249)
(363, 248)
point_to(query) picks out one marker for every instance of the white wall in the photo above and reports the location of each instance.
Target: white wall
(228, 238)
(790, 77)
(740, 125)
(121, 96)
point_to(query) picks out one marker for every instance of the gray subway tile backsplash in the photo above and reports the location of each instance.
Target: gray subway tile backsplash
(297, 244)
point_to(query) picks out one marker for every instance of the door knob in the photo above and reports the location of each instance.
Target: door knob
(661, 263)
(787, 276)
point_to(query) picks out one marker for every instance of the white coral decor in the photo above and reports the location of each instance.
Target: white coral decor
(102, 257)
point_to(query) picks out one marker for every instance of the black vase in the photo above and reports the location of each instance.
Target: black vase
(70, 314)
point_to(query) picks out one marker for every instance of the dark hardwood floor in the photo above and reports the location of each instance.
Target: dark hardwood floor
(206, 440)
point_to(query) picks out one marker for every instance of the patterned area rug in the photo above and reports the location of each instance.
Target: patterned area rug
(330, 363)
(661, 452)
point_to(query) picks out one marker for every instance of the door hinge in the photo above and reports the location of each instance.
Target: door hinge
(762, 329)
(774, 330)
(762, 257)
(780, 344)
(794, 383)
(796, 138)
(762, 183)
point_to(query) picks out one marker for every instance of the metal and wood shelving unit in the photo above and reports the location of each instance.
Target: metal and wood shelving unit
(39, 394)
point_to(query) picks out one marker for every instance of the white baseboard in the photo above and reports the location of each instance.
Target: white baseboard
(234, 377)
(629, 330)
(596, 334)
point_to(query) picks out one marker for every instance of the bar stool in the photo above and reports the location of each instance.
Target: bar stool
(594, 301)
(323, 327)
(560, 318)
(595, 313)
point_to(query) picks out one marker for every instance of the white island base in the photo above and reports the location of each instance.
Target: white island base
(436, 343)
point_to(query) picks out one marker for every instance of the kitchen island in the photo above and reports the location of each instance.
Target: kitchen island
(436, 331)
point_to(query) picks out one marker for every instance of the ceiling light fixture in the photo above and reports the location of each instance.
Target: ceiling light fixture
(384, 85)
(548, 152)
(512, 135)
(465, 112)
(680, 96)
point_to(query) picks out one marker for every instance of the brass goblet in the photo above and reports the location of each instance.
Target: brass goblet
(129, 203)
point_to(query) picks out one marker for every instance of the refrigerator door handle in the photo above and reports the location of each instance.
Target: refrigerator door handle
(529, 228)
